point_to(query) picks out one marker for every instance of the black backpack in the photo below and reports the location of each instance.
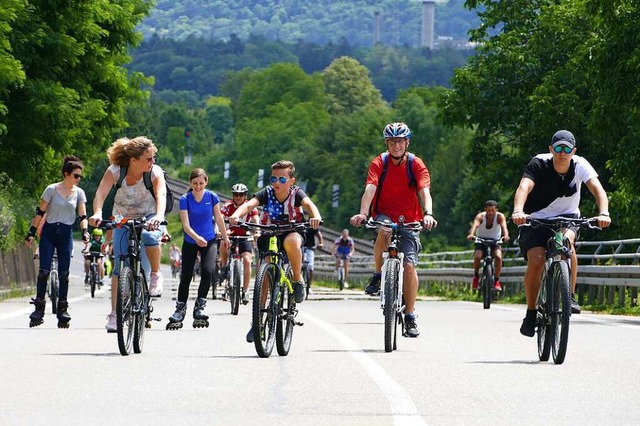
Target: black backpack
(146, 177)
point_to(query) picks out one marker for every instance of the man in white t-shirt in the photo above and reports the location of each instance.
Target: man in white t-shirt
(489, 224)
(550, 187)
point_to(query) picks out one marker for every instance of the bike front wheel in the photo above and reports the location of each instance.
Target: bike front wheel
(124, 310)
(487, 286)
(390, 297)
(94, 279)
(265, 310)
(141, 314)
(542, 321)
(54, 288)
(286, 319)
(235, 283)
(341, 278)
(561, 311)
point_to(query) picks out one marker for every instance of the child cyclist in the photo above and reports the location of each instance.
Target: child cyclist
(96, 245)
(281, 201)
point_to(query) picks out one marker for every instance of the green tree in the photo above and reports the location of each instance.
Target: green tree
(348, 87)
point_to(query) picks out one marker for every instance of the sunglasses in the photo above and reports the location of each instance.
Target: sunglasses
(558, 149)
(150, 159)
(281, 179)
(238, 194)
(77, 176)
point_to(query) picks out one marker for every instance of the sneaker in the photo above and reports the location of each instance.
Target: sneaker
(374, 285)
(410, 326)
(528, 327)
(111, 325)
(298, 291)
(575, 308)
(345, 284)
(155, 286)
(245, 298)
(475, 283)
(497, 285)
(86, 279)
(250, 336)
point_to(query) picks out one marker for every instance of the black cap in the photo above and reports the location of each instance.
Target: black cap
(563, 137)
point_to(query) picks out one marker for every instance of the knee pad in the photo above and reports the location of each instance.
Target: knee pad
(64, 276)
(43, 274)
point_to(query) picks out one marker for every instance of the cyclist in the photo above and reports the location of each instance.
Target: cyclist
(281, 201)
(96, 245)
(488, 224)
(175, 259)
(309, 250)
(400, 197)
(133, 200)
(343, 248)
(60, 201)
(550, 187)
(239, 192)
(197, 207)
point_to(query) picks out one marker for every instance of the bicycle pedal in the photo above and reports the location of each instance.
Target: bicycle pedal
(155, 319)
(298, 323)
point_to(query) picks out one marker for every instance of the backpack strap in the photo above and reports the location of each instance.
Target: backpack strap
(123, 174)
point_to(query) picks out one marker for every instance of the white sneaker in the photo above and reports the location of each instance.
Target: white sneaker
(345, 284)
(111, 325)
(155, 286)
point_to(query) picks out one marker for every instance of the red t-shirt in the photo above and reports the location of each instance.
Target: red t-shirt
(397, 197)
(228, 209)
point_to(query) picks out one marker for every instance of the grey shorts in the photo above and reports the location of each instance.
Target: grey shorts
(409, 242)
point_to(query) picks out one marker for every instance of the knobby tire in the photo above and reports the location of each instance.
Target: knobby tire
(263, 320)
(542, 320)
(236, 276)
(124, 310)
(53, 291)
(286, 310)
(93, 277)
(487, 287)
(561, 311)
(390, 296)
(141, 317)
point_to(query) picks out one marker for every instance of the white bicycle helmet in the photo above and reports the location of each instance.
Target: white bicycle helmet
(239, 188)
(396, 130)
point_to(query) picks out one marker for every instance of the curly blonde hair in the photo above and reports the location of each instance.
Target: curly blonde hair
(124, 149)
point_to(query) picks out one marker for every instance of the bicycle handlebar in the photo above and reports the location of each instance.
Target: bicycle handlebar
(138, 222)
(558, 222)
(274, 228)
(413, 226)
(488, 241)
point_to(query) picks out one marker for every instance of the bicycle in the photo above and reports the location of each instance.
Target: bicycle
(554, 297)
(488, 272)
(235, 275)
(306, 274)
(391, 298)
(94, 274)
(274, 307)
(341, 272)
(133, 304)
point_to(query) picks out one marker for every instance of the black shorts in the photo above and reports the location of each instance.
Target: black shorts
(530, 237)
(263, 241)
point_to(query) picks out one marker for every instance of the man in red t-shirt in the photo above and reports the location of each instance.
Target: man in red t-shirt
(239, 192)
(398, 196)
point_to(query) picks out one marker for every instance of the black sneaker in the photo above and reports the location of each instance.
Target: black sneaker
(245, 299)
(528, 327)
(575, 308)
(410, 327)
(299, 291)
(250, 336)
(374, 285)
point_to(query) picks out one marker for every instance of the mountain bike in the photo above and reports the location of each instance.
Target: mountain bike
(235, 274)
(274, 306)
(94, 273)
(487, 281)
(554, 297)
(341, 271)
(391, 299)
(133, 304)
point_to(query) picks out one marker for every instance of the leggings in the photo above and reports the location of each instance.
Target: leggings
(208, 257)
(55, 237)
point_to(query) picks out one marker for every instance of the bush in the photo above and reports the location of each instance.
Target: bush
(15, 215)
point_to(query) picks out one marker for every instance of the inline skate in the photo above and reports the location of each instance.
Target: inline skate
(38, 314)
(200, 320)
(175, 320)
(62, 314)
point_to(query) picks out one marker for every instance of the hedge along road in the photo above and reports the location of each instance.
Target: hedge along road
(469, 366)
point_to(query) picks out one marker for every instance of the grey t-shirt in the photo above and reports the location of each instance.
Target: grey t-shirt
(60, 209)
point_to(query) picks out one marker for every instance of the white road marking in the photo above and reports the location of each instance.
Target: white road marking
(403, 409)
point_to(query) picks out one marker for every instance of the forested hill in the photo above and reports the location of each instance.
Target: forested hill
(315, 21)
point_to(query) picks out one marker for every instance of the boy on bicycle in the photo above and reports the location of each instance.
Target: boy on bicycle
(394, 196)
(95, 245)
(282, 201)
(550, 187)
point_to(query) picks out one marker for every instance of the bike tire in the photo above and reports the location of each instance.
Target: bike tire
(561, 313)
(142, 316)
(487, 286)
(54, 289)
(236, 275)
(263, 320)
(341, 278)
(286, 318)
(542, 320)
(124, 310)
(307, 281)
(390, 297)
(94, 279)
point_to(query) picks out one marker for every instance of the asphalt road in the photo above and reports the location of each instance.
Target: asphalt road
(468, 367)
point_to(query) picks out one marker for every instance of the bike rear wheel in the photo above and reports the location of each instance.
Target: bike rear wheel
(341, 277)
(487, 286)
(286, 318)
(54, 288)
(561, 311)
(306, 278)
(390, 297)
(542, 321)
(141, 316)
(235, 283)
(264, 312)
(124, 310)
